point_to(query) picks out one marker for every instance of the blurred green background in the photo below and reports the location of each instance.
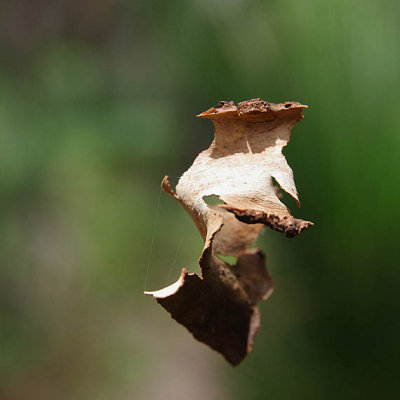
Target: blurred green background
(98, 101)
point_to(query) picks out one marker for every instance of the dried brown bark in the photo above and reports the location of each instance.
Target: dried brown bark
(220, 308)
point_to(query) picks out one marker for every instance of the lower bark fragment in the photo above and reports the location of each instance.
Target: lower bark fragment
(220, 309)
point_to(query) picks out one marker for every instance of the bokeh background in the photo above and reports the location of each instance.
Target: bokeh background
(98, 101)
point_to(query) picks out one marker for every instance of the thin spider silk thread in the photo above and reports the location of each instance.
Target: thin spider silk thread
(152, 240)
(175, 258)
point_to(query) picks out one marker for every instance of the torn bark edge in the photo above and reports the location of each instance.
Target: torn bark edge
(257, 108)
(287, 224)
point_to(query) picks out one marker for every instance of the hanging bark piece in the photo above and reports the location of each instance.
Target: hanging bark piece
(220, 308)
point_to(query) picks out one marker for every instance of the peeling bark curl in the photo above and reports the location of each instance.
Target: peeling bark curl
(220, 308)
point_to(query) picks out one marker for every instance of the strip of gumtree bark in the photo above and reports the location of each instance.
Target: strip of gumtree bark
(220, 307)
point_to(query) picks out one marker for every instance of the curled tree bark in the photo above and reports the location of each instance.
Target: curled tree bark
(220, 308)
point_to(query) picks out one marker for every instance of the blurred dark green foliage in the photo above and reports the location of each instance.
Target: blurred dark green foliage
(97, 103)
